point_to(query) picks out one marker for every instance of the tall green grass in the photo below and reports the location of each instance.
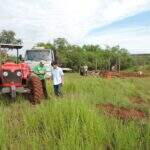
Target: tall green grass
(73, 122)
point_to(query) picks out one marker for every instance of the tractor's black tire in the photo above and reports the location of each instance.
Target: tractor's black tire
(36, 93)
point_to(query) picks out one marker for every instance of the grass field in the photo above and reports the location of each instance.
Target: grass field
(73, 122)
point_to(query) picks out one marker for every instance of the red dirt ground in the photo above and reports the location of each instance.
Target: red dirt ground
(111, 74)
(121, 112)
(93, 73)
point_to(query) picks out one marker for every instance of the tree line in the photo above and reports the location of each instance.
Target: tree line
(74, 56)
(95, 57)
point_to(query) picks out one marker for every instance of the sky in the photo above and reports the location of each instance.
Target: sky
(104, 22)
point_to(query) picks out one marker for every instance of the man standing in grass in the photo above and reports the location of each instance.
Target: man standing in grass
(40, 70)
(85, 69)
(58, 79)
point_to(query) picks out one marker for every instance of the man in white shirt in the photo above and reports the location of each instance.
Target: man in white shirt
(85, 69)
(57, 77)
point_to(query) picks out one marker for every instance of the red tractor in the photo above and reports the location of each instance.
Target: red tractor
(17, 78)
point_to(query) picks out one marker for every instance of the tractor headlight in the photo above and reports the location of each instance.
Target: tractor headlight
(19, 74)
(5, 73)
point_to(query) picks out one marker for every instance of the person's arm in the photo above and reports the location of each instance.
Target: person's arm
(35, 69)
(62, 76)
(62, 79)
(44, 71)
(39, 71)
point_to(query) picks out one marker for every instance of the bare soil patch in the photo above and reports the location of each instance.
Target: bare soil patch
(121, 74)
(137, 100)
(122, 112)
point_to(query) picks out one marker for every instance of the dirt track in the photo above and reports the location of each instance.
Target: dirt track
(137, 100)
(121, 112)
(121, 74)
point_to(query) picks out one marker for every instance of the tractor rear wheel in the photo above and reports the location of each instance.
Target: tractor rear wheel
(36, 93)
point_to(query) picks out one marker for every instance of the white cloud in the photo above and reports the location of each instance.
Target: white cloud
(43, 20)
(136, 39)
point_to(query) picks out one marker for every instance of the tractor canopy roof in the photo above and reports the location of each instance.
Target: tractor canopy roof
(11, 46)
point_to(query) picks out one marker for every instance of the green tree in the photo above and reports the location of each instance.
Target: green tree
(9, 37)
(92, 48)
(60, 44)
(60, 50)
(45, 45)
(94, 56)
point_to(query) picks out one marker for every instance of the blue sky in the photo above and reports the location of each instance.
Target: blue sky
(132, 32)
(104, 22)
(137, 20)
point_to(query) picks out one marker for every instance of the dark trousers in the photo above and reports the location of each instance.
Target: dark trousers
(44, 88)
(57, 90)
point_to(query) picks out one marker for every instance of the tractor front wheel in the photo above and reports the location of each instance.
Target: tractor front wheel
(36, 90)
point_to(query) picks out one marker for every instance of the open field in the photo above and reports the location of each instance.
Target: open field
(74, 121)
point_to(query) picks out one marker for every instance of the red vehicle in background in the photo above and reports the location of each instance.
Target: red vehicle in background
(17, 78)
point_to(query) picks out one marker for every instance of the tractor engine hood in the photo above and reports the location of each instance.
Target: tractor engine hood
(11, 66)
(11, 74)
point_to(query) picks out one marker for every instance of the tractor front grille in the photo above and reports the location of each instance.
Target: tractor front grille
(11, 77)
